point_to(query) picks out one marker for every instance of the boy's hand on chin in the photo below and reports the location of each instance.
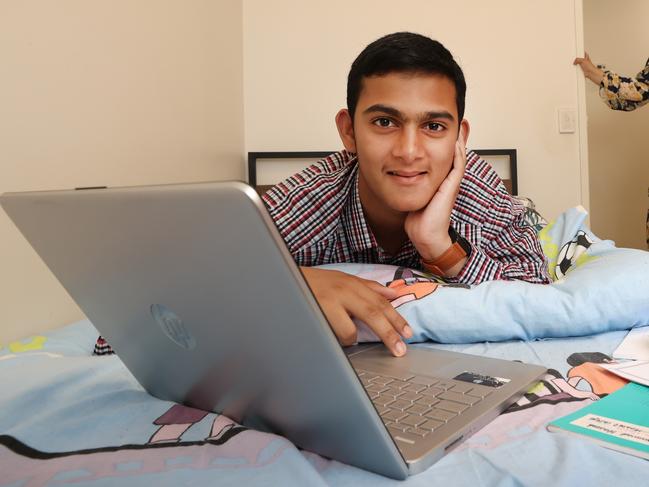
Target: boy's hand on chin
(428, 227)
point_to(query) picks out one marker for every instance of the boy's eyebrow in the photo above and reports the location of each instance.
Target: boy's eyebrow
(396, 113)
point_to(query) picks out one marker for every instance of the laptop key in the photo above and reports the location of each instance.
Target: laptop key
(461, 388)
(415, 388)
(431, 425)
(427, 401)
(480, 391)
(382, 380)
(440, 415)
(394, 374)
(392, 391)
(454, 407)
(426, 381)
(461, 398)
(418, 431)
(412, 420)
(368, 375)
(409, 396)
(382, 400)
(445, 384)
(394, 415)
(418, 409)
(399, 384)
(400, 404)
(376, 388)
(398, 427)
(432, 391)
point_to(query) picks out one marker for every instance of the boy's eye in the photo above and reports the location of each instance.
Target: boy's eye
(383, 122)
(434, 126)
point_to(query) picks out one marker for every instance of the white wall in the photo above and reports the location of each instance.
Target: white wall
(616, 35)
(516, 54)
(109, 93)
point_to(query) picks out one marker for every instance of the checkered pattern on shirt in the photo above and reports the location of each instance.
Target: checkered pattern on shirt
(319, 214)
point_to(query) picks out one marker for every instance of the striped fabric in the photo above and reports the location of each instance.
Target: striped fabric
(318, 213)
(102, 347)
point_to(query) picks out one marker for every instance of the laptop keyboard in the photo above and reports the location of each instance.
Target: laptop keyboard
(413, 406)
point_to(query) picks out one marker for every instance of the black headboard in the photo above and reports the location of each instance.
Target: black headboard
(255, 163)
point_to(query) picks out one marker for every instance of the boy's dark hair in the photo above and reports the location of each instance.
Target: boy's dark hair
(404, 52)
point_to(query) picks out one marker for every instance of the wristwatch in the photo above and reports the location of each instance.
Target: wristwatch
(459, 249)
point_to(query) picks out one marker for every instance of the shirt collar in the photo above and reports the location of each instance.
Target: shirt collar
(358, 233)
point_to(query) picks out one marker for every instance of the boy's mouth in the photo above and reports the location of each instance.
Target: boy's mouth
(407, 176)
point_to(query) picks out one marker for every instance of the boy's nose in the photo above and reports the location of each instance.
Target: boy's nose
(408, 146)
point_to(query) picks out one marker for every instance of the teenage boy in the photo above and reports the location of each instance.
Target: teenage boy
(402, 192)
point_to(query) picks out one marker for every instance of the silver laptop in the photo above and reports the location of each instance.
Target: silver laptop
(196, 291)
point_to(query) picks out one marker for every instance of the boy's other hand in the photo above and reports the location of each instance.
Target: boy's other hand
(342, 296)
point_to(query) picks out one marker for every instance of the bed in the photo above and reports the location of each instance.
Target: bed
(71, 417)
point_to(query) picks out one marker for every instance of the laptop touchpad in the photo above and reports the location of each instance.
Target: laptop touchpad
(425, 361)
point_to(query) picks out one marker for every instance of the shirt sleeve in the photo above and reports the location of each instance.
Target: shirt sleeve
(504, 246)
(622, 93)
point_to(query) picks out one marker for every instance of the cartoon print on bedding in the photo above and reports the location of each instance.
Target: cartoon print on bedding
(222, 448)
(553, 396)
(179, 418)
(412, 285)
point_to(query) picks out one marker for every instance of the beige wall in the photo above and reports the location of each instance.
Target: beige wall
(153, 91)
(517, 57)
(109, 93)
(616, 35)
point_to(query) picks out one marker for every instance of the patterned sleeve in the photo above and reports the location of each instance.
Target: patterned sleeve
(504, 246)
(622, 93)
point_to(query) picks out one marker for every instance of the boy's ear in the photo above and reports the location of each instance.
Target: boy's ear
(464, 131)
(346, 130)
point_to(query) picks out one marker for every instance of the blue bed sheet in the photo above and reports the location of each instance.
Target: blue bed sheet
(70, 418)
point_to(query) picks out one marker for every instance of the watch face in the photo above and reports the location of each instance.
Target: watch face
(452, 233)
(456, 237)
(465, 244)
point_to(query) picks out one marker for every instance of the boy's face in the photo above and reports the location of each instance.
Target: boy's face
(404, 132)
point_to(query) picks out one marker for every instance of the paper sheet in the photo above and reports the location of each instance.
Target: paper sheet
(635, 345)
(636, 370)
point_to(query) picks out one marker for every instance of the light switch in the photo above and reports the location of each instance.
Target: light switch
(567, 121)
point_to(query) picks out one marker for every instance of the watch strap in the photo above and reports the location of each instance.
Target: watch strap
(449, 259)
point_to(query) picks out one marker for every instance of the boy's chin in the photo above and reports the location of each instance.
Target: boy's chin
(408, 206)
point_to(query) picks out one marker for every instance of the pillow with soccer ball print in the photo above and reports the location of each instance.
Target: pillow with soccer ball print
(597, 288)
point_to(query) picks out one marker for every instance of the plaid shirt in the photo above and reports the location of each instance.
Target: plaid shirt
(318, 213)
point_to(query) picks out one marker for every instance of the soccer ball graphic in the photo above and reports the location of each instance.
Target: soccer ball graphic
(570, 252)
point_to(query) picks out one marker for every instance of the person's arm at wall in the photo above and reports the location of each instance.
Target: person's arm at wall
(591, 72)
(618, 92)
(623, 93)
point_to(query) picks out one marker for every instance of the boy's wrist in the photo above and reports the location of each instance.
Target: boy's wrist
(448, 256)
(432, 250)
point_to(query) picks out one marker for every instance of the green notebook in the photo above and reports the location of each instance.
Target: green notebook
(619, 421)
